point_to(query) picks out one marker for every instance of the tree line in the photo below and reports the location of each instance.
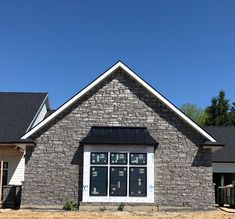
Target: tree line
(219, 113)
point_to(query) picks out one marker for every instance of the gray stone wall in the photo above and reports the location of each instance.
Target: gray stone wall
(183, 173)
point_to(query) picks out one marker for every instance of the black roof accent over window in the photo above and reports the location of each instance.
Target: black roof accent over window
(119, 135)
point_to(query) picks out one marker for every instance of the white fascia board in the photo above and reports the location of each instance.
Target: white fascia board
(137, 78)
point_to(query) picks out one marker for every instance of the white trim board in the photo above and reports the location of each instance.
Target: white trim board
(127, 70)
(149, 150)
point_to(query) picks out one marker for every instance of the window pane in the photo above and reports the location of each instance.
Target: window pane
(5, 165)
(118, 181)
(138, 181)
(118, 158)
(99, 158)
(5, 176)
(98, 181)
(138, 159)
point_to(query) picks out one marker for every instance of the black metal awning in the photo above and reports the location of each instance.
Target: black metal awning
(119, 135)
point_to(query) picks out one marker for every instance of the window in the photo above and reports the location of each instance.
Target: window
(138, 159)
(113, 174)
(118, 181)
(5, 173)
(98, 183)
(138, 181)
(99, 158)
(118, 158)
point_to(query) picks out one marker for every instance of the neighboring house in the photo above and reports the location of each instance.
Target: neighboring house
(117, 140)
(19, 112)
(223, 160)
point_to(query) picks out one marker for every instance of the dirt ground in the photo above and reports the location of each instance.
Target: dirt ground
(215, 214)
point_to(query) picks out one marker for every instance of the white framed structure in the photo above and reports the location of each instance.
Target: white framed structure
(124, 149)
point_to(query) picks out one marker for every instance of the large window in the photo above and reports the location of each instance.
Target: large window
(118, 174)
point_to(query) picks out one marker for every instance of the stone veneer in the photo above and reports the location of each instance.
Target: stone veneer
(183, 172)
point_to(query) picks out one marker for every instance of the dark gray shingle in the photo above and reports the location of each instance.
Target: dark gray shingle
(17, 111)
(225, 135)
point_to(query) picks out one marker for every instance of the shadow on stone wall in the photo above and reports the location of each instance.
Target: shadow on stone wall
(203, 158)
(12, 197)
(78, 160)
(29, 152)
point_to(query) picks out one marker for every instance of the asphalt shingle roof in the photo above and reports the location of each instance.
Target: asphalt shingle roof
(225, 135)
(17, 111)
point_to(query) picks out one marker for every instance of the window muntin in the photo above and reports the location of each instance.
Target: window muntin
(99, 158)
(138, 159)
(138, 181)
(98, 181)
(118, 158)
(5, 173)
(118, 181)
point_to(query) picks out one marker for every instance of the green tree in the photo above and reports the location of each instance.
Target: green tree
(196, 113)
(231, 115)
(212, 112)
(218, 112)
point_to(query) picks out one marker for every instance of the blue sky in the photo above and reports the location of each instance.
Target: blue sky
(184, 48)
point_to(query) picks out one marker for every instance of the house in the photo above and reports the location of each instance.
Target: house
(117, 140)
(19, 112)
(223, 160)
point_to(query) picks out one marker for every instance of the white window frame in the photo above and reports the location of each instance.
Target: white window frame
(149, 150)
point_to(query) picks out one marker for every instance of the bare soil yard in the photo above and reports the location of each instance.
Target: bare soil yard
(215, 214)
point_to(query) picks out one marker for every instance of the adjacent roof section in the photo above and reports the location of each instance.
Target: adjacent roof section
(18, 141)
(225, 135)
(17, 110)
(132, 74)
(214, 146)
(119, 135)
(49, 113)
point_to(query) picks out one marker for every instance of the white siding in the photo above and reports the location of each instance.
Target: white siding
(16, 168)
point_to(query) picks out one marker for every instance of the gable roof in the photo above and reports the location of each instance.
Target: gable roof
(131, 73)
(17, 111)
(225, 135)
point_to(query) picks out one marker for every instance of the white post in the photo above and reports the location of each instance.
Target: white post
(222, 180)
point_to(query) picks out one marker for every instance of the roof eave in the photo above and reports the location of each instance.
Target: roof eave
(27, 142)
(119, 64)
(214, 146)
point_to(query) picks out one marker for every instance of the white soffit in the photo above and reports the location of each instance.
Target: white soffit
(119, 64)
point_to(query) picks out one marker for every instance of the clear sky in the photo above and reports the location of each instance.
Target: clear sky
(184, 48)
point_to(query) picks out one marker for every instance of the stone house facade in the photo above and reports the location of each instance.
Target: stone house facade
(176, 170)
